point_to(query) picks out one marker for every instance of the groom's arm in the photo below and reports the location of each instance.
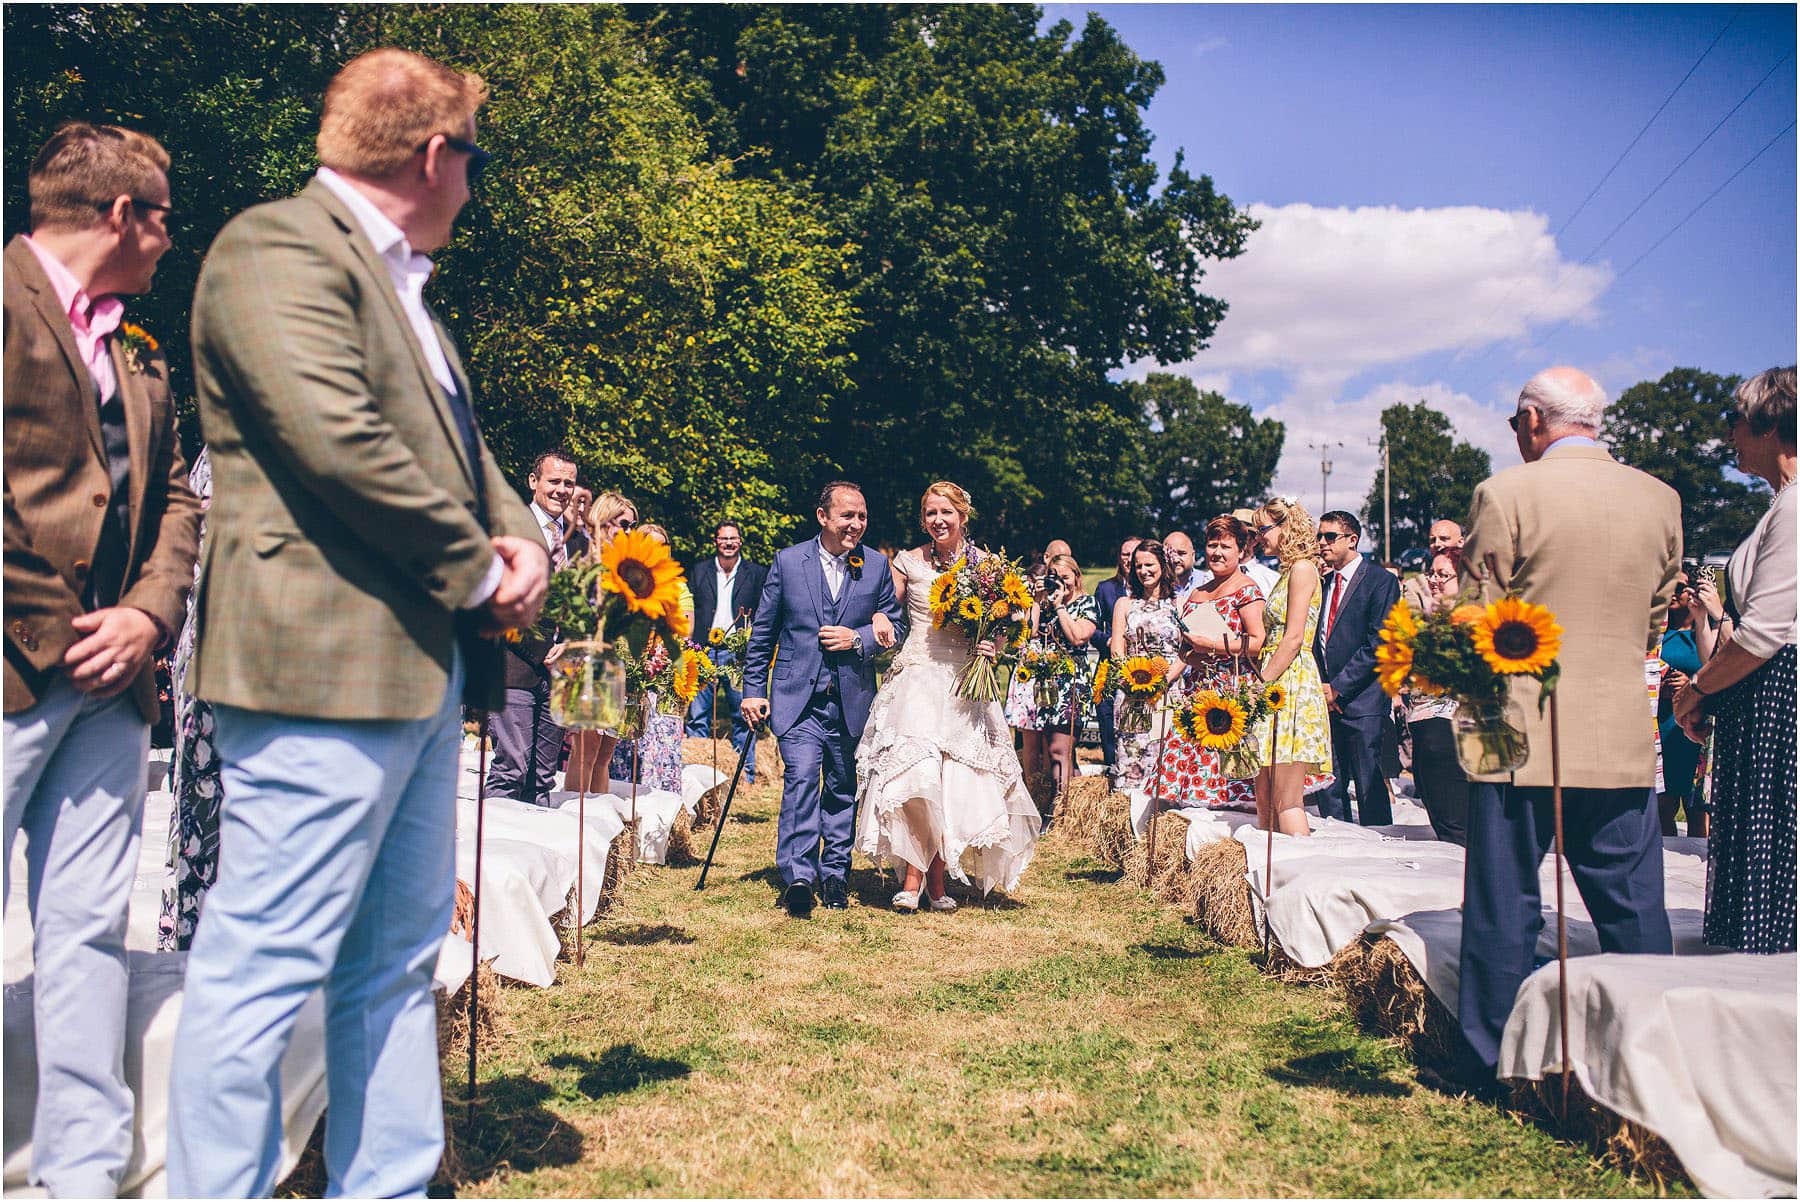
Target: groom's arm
(888, 603)
(761, 650)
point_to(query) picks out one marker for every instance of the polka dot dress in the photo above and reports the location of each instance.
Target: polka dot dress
(1750, 856)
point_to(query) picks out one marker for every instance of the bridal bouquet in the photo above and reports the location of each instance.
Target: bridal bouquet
(1140, 682)
(1221, 719)
(985, 597)
(610, 611)
(1472, 653)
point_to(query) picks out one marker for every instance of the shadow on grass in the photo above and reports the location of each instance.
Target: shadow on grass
(1173, 951)
(1344, 1071)
(749, 819)
(642, 934)
(620, 1069)
(1103, 876)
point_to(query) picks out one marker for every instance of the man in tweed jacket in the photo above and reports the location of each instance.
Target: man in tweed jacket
(360, 538)
(100, 532)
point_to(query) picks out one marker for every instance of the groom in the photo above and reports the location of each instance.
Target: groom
(816, 608)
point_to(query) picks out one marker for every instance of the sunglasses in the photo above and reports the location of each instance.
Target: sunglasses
(168, 212)
(1331, 536)
(1513, 421)
(1732, 419)
(1262, 530)
(478, 158)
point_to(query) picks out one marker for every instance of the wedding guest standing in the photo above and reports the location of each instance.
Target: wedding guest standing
(1358, 597)
(1192, 774)
(591, 751)
(654, 757)
(527, 741)
(1144, 623)
(360, 539)
(1259, 572)
(1749, 685)
(1294, 744)
(726, 588)
(1063, 619)
(577, 537)
(1677, 756)
(1444, 537)
(1443, 789)
(1599, 544)
(1178, 549)
(100, 545)
(1106, 597)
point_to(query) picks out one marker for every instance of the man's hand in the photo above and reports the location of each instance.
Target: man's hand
(1330, 697)
(555, 653)
(120, 640)
(838, 638)
(754, 709)
(884, 630)
(520, 594)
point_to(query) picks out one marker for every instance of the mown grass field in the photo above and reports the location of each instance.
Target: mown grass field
(1076, 1039)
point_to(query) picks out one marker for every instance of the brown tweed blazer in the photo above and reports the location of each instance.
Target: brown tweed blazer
(1600, 544)
(344, 530)
(57, 489)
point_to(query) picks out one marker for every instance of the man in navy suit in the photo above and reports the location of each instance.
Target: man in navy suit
(1358, 597)
(817, 607)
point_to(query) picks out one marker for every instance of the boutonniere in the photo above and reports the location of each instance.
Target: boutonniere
(138, 346)
(854, 561)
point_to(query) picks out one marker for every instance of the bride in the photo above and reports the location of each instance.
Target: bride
(937, 782)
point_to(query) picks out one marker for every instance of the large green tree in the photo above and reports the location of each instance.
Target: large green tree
(1434, 474)
(1674, 429)
(1203, 456)
(1016, 243)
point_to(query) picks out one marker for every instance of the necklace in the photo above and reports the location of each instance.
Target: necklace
(938, 561)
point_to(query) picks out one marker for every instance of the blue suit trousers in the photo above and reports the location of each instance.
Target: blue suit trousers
(818, 795)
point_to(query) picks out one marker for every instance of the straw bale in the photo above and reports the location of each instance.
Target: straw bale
(1630, 1147)
(1284, 969)
(680, 850)
(1080, 810)
(768, 756)
(710, 805)
(1221, 895)
(1113, 837)
(1167, 879)
(1387, 996)
(453, 1014)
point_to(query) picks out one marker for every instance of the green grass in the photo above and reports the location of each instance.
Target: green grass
(1076, 1039)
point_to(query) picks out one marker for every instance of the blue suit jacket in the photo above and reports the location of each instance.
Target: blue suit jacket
(785, 632)
(1347, 663)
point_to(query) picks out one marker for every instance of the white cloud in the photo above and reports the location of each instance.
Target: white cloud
(1208, 45)
(1324, 294)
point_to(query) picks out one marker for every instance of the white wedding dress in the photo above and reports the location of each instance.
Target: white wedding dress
(937, 775)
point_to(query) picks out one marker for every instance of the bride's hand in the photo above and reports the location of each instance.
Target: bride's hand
(986, 649)
(884, 630)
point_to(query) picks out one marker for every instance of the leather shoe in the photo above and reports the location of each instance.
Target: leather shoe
(799, 900)
(837, 895)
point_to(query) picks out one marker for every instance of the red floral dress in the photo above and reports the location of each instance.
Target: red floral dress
(1191, 774)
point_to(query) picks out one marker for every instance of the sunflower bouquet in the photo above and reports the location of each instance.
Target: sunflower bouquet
(610, 611)
(1222, 719)
(1140, 682)
(735, 641)
(985, 597)
(1473, 653)
(1048, 670)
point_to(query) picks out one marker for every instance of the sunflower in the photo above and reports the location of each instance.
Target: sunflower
(969, 609)
(1144, 675)
(1394, 656)
(1016, 592)
(715, 637)
(1218, 722)
(941, 588)
(1517, 638)
(640, 570)
(1100, 680)
(1462, 615)
(687, 677)
(998, 609)
(1022, 673)
(1274, 697)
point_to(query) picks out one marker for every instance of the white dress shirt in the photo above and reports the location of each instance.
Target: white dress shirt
(721, 618)
(1340, 583)
(836, 570)
(408, 271)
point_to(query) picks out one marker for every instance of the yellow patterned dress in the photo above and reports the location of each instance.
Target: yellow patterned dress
(1302, 732)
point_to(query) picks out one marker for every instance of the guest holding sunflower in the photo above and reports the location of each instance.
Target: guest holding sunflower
(1193, 772)
(1063, 619)
(1144, 626)
(1294, 739)
(656, 754)
(590, 751)
(1443, 787)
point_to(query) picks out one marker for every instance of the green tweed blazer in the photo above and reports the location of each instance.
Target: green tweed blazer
(344, 531)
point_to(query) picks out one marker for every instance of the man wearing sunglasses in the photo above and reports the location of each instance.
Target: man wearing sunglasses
(1357, 599)
(361, 540)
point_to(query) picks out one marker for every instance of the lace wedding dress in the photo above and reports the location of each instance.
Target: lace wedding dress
(937, 775)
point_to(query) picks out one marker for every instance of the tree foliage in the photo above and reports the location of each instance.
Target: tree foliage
(1434, 474)
(1204, 456)
(1674, 429)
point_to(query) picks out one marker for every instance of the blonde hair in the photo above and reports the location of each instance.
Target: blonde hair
(608, 507)
(955, 494)
(83, 168)
(1068, 561)
(1298, 534)
(385, 104)
(654, 531)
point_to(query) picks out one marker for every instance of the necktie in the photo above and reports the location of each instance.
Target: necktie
(1337, 594)
(559, 552)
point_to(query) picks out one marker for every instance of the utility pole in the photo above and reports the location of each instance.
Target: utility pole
(1324, 450)
(1387, 519)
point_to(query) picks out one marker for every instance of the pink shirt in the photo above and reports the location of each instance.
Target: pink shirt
(93, 321)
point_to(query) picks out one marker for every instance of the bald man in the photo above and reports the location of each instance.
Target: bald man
(1055, 547)
(1178, 548)
(1444, 537)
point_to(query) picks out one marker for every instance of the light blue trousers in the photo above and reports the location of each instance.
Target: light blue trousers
(337, 869)
(75, 780)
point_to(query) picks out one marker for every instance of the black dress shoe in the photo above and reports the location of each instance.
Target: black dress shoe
(798, 899)
(837, 895)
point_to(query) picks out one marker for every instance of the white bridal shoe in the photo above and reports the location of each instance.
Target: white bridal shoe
(907, 900)
(944, 904)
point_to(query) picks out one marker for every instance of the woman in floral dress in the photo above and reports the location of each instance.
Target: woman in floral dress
(1062, 622)
(655, 757)
(1144, 623)
(1193, 775)
(1294, 742)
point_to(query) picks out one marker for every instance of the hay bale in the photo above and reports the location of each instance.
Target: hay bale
(1222, 895)
(621, 866)
(1630, 1147)
(1080, 810)
(1387, 995)
(768, 756)
(453, 1014)
(680, 851)
(1167, 878)
(1113, 837)
(1286, 970)
(709, 807)
(462, 919)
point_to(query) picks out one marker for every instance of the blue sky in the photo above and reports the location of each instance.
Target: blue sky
(1419, 171)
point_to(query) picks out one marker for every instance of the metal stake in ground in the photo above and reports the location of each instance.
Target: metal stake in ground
(1562, 922)
(581, 867)
(1269, 835)
(744, 757)
(481, 736)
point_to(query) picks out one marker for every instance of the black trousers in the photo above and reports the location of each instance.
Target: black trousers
(1356, 759)
(1614, 846)
(1443, 788)
(527, 745)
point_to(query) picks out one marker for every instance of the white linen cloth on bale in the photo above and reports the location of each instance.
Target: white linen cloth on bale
(1702, 1054)
(153, 1006)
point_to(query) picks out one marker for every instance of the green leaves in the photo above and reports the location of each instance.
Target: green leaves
(1434, 475)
